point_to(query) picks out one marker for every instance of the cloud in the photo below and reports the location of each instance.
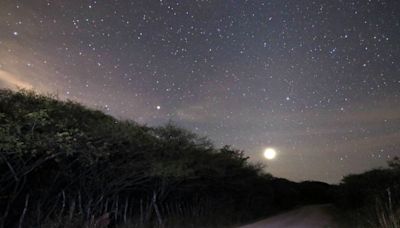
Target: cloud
(11, 81)
(194, 113)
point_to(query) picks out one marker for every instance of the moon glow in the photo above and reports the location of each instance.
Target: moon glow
(269, 153)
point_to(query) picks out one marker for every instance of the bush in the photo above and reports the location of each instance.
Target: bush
(62, 163)
(372, 198)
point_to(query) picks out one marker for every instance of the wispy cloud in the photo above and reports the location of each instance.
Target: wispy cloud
(9, 80)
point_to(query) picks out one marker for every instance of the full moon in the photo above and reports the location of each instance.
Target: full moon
(269, 153)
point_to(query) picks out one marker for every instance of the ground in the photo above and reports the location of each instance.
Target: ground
(314, 216)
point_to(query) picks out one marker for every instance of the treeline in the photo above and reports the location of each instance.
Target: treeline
(371, 199)
(64, 165)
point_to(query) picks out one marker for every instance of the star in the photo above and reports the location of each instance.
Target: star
(318, 80)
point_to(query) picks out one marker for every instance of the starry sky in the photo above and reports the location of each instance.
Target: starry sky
(317, 80)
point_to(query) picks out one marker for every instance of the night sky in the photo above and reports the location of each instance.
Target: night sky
(319, 81)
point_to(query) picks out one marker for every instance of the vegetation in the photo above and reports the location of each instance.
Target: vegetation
(64, 165)
(372, 199)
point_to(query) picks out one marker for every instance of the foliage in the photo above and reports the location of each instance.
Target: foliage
(373, 196)
(64, 165)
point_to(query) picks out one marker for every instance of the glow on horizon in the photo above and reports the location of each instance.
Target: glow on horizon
(270, 153)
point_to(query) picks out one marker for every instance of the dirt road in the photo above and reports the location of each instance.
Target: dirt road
(314, 216)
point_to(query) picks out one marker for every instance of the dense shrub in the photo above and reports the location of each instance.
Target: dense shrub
(372, 198)
(64, 165)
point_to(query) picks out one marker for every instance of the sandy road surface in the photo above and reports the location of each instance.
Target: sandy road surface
(313, 216)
